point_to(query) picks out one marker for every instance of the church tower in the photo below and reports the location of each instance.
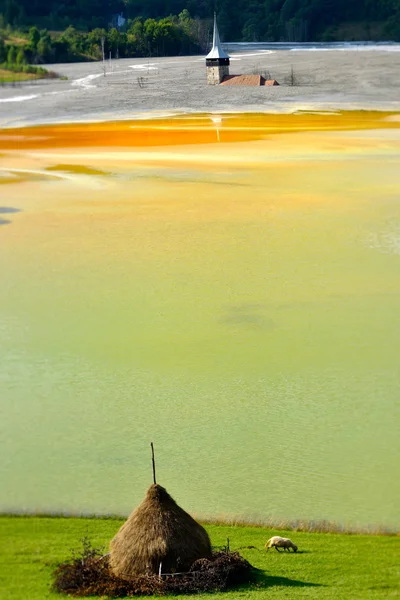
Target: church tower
(217, 61)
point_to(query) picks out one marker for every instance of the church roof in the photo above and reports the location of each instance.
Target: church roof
(243, 80)
(249, 80)
(216, 50)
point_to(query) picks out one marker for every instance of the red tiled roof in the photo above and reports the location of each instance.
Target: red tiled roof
(254, 80)
(242, 80)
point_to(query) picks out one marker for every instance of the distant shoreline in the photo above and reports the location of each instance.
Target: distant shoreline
(337, 45)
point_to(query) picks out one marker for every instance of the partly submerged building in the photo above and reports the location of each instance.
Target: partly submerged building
(217, 65)
(217, 60)
(249, 80)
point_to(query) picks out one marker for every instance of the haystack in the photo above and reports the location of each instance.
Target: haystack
(158, 531)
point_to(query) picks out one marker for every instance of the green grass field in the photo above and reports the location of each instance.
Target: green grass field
(327, 566)
(9, 76)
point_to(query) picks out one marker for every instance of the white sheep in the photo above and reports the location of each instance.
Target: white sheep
(280, 542)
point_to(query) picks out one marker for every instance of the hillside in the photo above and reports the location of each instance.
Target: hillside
(259, 20)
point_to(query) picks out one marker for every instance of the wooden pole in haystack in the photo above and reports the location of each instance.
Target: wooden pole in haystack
(154, 463)
(159, 537)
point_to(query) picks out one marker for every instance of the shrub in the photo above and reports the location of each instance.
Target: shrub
(34, 36)
(20, 58)
(11, 55)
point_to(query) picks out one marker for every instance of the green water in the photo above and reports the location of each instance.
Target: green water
(246, 322)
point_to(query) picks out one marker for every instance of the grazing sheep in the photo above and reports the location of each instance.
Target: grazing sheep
(280, 542)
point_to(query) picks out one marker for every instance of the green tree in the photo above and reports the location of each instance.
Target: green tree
(184, 16)
(20, 58)
(114, 40)
(11, 55)
(73, 40)
(136, 37)
(3, 52)
(94, 41)
(250, 31)
(11, 11)
(44, 47)
(34, 37)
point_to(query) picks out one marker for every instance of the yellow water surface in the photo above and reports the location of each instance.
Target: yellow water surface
(226, 286)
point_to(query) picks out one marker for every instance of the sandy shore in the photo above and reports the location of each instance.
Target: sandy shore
(358, 78)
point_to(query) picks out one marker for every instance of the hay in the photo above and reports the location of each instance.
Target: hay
(158, 531)
(89, 574)
(224, 570)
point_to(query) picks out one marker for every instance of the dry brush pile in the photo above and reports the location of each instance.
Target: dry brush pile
(89, 574)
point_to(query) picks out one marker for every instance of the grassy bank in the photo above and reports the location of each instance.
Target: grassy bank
(7, 76)
(18, 73)
(327, 566)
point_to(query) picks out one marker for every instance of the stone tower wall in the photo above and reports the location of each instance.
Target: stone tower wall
(216, 74)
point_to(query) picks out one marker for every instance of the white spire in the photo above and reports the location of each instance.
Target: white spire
(216, 50)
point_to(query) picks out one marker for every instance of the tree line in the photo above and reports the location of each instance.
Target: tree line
(170, 36)
(239, 20)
